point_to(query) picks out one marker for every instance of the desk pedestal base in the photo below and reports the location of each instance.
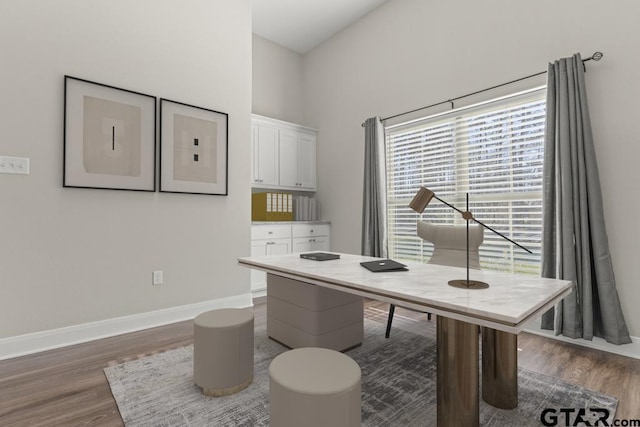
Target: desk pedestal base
(499, 368)
(304, 315)
(458, 355)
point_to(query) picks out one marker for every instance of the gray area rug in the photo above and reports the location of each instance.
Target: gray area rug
(398, 388)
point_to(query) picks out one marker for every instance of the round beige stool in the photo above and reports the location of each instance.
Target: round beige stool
(314, 387)
(223, 351)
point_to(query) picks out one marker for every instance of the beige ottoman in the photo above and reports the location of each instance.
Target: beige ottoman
(314, 387)
(223, 351)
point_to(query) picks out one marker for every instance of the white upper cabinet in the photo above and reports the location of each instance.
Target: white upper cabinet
(288, 158)
(306, 152)
(292, 164)
(265, 155)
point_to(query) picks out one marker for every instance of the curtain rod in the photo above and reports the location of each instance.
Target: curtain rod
(597, 56)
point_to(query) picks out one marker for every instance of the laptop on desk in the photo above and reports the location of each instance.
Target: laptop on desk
(319, 256)
(382, 265)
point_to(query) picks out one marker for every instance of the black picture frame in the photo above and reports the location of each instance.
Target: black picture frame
(194, 149)
(109, 137)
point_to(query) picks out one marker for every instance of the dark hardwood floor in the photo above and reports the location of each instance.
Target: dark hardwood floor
(67, 386)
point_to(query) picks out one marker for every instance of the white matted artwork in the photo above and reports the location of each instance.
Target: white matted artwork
(193, 149)
(109, 137)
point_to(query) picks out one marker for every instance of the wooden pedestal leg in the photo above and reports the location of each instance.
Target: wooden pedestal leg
(499, 368)
(458, 383)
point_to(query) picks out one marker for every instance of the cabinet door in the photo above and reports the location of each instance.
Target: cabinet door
(266, 247)
(307, 161)
(307, 244)
(258, 248)
(278, 246)
(302, 244)
(288, 157)
(320, 243)
(258, 278)
(265, 155)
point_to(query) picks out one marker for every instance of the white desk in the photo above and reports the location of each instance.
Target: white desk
(502, 310)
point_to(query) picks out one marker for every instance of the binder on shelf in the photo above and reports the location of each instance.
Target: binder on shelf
(306, 208)
(271, 207)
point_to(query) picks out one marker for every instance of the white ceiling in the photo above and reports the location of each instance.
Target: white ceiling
(301, 25)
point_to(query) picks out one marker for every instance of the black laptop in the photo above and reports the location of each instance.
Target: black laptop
(319, 256)
(381, 265)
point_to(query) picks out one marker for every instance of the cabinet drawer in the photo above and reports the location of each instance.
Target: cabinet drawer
(270, 232)
(306, 230)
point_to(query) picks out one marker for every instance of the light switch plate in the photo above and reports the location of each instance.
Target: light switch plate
(157, 277)
(15, 165)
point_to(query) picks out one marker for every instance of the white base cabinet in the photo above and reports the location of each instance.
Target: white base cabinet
(308, 237)
(272, 239)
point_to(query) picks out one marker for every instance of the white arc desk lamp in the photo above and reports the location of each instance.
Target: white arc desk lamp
(420, 202)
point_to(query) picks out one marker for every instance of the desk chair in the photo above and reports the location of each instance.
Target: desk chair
(449, 248)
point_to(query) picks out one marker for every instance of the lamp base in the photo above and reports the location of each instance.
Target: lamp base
(471, 284)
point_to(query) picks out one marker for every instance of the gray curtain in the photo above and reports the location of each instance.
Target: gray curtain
(574, 242)
(374, 206)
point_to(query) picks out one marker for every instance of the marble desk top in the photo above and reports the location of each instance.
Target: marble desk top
(320, 221)
(510, 301)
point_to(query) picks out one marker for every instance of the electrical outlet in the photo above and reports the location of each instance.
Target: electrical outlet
(157, 277)
(16, 165)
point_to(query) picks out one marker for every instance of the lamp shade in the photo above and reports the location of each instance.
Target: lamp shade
(421, 199)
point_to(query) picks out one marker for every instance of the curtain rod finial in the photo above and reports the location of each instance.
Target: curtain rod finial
(597, 56)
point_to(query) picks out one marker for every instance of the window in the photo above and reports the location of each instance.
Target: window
(494, 152)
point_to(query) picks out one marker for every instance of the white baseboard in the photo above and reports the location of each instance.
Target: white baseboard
(259, 292)
(55, 338)
(629, 350)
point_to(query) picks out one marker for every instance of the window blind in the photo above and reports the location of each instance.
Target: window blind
(494, 152)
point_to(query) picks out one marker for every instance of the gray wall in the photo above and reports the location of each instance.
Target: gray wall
(277, 81)
(70, 256)
(411, 53)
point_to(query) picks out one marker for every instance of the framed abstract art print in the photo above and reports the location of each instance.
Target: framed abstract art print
(193, 149)
(109, 137)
